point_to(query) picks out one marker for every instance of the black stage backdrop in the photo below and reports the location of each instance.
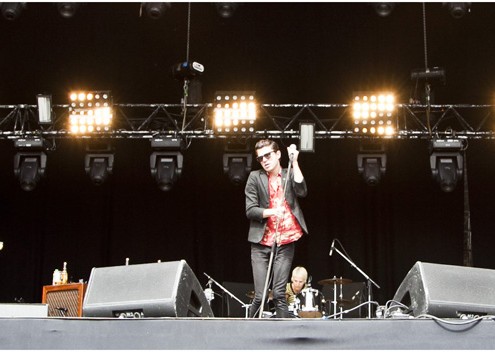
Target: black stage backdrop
(288, 53)
(385, 229)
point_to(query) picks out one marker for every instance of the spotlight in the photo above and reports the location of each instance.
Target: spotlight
(237, 163)
(374, 114)
(446, 162)
(155, 10)
(372, 163)
(12, 10)
(98, 166)
(90, 112)
(67, 9)
(226, 9)
(384, 9)
(235, 112)
(458, 9)
(166, 162)
(29, 162)
(44, 108)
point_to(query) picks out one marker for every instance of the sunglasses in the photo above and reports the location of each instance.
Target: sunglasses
(266, 156)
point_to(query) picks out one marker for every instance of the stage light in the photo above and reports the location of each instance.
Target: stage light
(187, 70)
(237, 162)
(372, 163)
(98, 166)
(44, 108)
(226, 9)
(435, 73)
(67, 9)
(90, 112)
(383, 9)
(155, 10)
(446, 161)
(234, 112)
(12, 10)
(29, 162)
(458, 9)
(166, 161)
(307, 137)
(374, 114)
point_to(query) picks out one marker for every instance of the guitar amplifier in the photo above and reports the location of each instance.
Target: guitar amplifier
(64, 300)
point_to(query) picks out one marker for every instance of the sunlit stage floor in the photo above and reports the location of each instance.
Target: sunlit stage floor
(237, 333)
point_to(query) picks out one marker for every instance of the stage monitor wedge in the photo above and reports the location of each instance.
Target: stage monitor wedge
(448, 291)
(168, 289)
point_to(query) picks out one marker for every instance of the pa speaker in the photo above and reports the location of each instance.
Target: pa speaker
(168, 289)
(448, 291)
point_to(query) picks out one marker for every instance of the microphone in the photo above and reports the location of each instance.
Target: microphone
(332, 247)
(291, 154)
(209, 293)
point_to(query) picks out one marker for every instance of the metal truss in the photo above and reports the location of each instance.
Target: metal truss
(274, 121)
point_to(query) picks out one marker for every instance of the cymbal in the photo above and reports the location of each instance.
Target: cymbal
(338, 281)
(250, 294)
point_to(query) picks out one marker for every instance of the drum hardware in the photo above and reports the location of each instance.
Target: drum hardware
(334, 281)
(244, 305)
(344, 303)
(369, 280)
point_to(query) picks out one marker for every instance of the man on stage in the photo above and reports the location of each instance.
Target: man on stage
(276, 220)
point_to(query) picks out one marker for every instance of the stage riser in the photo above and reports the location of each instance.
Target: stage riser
(215, 333)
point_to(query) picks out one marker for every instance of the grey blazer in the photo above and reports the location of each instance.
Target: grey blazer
(258, 199)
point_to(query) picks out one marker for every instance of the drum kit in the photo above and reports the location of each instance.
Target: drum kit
(310, 302)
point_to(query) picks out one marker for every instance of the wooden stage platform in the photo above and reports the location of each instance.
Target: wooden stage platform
(244, 334)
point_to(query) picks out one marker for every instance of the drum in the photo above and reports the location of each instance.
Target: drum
(310, 303)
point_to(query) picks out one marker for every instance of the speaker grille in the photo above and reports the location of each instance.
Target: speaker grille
(64, 300)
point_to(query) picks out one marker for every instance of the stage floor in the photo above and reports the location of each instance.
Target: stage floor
(244, 334)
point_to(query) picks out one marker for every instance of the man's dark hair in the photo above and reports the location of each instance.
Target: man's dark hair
(266, 143)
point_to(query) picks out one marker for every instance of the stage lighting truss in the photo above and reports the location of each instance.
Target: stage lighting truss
(90, 112)
(234, 113)
(447, 162)
(166, 161)
(374, 113)
(29, 162)
(331, 121)
(237, 162)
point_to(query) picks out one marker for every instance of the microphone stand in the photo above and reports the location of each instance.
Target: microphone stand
(365, 276)
(274, 245)
(244, 305)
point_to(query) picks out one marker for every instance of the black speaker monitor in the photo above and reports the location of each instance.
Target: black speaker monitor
(448, 291)
(168, 289)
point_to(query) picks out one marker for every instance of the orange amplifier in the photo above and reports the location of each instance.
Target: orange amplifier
(64, 300)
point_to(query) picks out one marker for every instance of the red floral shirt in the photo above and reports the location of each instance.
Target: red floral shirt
(289, 229)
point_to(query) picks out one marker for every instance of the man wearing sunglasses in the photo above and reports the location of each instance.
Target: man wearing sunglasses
(275, 218)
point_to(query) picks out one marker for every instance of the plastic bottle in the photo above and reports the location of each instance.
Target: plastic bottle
(64, 275)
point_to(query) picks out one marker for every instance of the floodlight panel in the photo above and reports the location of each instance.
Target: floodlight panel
(44, 108)
(235, 112)
(307, 137)
(90, 112)
(374, 113)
